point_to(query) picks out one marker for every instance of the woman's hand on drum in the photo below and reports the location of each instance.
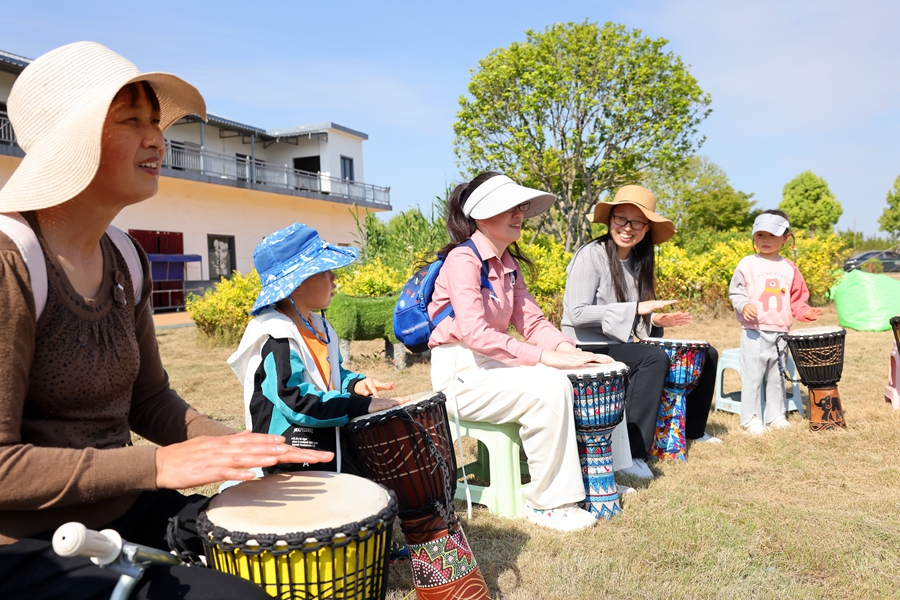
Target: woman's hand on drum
(371, 387)
(671, 319)
(651, 306)
(377, 404)
(204, 460)
(571, 359)
(813, 314)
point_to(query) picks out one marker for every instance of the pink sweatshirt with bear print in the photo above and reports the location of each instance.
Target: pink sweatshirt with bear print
(775, 287)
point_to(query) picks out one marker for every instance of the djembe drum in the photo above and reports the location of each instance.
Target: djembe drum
(599, 408)
(686, 359)
(408, 450)
(819, 355)
(311, 535)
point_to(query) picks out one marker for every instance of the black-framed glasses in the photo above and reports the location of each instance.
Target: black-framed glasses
(523, 207)
(635, 224)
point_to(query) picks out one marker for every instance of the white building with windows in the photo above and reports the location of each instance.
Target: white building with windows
(224, 185)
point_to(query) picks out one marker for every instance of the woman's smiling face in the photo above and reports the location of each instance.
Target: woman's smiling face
(503, 229)
(625, 236)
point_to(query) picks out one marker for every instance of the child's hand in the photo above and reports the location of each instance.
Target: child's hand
(812, 314)
(371, 387)
(378, 404)
(749, 312)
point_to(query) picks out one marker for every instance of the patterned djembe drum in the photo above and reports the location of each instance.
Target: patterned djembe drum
(599, 408)
(409, 451)
(819, 355)
(686, 359)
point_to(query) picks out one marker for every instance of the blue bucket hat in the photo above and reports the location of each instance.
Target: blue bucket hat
(290, 256)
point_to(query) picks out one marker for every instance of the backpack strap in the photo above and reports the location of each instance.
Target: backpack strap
(485, 282)
(126, 246)
(19, 231)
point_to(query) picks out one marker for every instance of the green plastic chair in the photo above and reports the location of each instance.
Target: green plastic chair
(497, 464)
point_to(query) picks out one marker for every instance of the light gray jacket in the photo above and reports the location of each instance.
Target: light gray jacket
(591, 313)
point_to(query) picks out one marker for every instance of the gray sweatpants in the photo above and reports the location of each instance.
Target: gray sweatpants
(759, 366)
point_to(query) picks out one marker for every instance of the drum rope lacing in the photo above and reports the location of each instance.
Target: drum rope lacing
(332, 537)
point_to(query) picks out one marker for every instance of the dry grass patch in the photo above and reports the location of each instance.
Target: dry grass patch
(791, 514)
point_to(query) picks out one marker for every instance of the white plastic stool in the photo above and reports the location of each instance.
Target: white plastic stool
(731, 359)
(891, 391)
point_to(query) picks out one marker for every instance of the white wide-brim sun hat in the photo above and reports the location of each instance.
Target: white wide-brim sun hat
(500, 193)
(58, 107)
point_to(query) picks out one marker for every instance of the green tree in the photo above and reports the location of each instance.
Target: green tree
(810, 204)
(699, 196)
(579, 110)
(889, 221)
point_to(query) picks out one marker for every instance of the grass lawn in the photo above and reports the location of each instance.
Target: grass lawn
(791, 514)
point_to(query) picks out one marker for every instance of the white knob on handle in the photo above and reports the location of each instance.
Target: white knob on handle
(74, 539)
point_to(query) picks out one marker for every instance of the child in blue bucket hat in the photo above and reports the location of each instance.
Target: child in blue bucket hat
(288, 360)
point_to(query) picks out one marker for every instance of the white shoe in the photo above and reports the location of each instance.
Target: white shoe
(780, 423)
(638, 469)
(706, 438)
(624, 490)
(755, 427)
(568, 517)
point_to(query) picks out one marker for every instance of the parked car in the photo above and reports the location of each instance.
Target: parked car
(889, 259)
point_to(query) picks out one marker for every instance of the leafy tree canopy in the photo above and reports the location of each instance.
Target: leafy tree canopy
(579, 110)
(699, 196)
(889, 221)
(810, 204)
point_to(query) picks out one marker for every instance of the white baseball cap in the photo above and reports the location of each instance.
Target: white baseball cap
(500, 193)
(774, 224)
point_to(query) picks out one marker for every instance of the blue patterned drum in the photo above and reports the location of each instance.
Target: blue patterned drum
(686, 359)
(599, 407)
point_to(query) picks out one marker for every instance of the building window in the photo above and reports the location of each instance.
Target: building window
(310, 164)
(347, 168)
(222, 262)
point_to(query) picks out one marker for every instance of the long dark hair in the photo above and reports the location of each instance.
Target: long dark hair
(645, 259)
(460, 227)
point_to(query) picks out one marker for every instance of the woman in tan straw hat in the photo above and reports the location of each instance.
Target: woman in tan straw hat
(77, 343)
(610, 300)
(489, 375)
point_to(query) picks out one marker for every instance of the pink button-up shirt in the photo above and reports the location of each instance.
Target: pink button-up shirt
(482, 317)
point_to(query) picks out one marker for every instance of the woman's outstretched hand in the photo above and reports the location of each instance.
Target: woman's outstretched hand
(671, 319)
(204, 460)
(571, 359)
(649, 306)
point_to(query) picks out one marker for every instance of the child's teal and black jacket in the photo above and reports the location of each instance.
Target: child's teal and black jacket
(284, 392)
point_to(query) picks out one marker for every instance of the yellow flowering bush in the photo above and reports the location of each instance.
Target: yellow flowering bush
(223, 312)
(373, 278)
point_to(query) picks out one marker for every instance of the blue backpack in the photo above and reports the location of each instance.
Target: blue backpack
(412, 326)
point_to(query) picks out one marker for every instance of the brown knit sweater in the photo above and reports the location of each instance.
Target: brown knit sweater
(72, 388)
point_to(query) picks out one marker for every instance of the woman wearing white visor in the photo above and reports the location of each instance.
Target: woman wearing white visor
(490, 376)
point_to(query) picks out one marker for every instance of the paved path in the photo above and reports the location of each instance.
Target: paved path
(170, 320)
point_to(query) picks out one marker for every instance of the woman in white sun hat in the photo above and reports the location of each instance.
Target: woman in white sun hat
(610, 301)
(490, 376)
(77, 344)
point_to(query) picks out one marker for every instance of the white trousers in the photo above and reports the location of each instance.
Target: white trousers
(539, 398)
(759, 366)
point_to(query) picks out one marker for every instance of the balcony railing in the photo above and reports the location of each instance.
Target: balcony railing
(212, 164)
(235, 168)
(6, 131)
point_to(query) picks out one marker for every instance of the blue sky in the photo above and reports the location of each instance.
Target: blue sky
(795, 85)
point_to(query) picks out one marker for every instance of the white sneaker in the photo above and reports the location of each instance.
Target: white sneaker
(755, 427)
(706, 438)
(780, 423)
(624, 490)
(638, 469)
(568, 517)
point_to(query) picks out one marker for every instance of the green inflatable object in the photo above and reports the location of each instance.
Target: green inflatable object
(867, 301)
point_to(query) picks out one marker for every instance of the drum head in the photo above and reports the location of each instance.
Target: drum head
(810, 331)
(414, 400)
(597, 369)
(281, 504)
(674, 342)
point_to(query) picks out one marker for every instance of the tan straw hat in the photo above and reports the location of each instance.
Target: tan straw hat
(58, 106)
(661, 228)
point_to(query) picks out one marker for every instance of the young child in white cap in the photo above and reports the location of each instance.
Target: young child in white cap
(767, 292)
